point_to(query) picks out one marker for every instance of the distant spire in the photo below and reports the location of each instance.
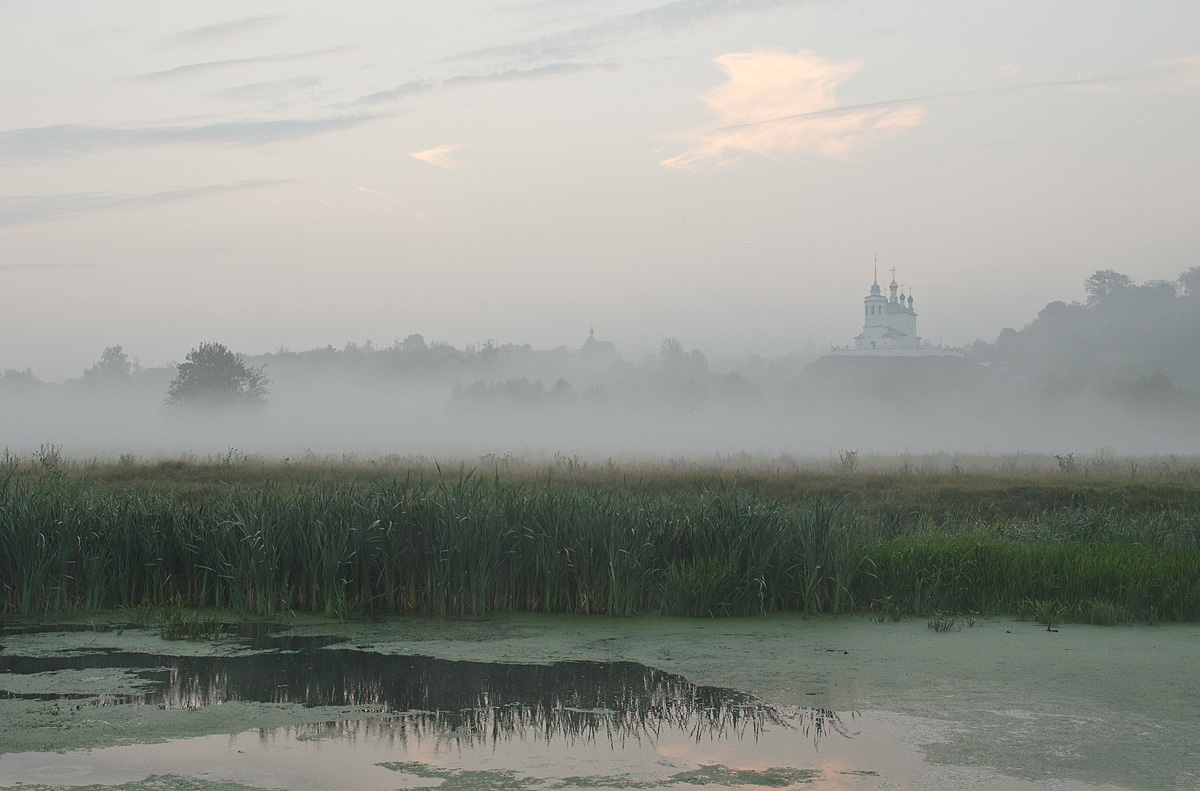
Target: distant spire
(877, 269)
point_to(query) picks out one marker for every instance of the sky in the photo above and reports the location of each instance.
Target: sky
(288, 174)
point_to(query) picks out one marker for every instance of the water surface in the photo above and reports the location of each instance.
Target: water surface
(371, 720)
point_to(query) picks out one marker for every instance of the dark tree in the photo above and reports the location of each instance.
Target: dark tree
(213, 377)
(1104, 284)
(112, 369)
(413, 343)
(16, 381)
(1129, 340)
(1189, 282)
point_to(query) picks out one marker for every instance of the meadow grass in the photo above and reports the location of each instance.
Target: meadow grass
(352, 539)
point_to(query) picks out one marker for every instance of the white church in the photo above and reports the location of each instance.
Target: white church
(890, 328)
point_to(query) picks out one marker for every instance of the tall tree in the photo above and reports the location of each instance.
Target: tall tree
(213, 377)
(1104, 284)
(112, 369)
(1189, 282)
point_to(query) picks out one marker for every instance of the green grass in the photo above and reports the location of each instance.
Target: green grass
(351, 540)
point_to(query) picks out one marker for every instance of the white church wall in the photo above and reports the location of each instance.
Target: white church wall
(890, 328)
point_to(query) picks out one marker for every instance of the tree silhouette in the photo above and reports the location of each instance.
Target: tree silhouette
(213, 377)
(1189, 282)
(1104, 284)
(1136, 342)
(113, 369)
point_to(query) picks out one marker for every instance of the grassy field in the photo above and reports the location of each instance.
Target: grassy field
(1102, 540)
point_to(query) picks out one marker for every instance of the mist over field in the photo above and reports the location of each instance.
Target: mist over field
(1118, 372)
(269, 175)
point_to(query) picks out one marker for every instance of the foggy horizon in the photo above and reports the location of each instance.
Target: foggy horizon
(810, 347)
(269, 174)
(649, 346)
(710, 184)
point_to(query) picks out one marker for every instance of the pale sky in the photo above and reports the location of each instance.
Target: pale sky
(293, 174)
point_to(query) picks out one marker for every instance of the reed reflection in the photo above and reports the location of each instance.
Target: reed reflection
(472, 703)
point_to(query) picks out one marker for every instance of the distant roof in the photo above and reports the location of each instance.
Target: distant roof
(593, 346)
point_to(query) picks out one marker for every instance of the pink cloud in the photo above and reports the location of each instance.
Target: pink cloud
(439, 156)
(776, 103)
(1179, 74)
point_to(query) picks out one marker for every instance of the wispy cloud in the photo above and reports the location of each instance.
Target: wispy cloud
(31, 267)
(378, 193)
(272, 90)
(26, 209)
(414, 87)
(69, 140)
(377, 200)
(209, 34)
(192, 69)
(513, 75)
(585, 38)
(834, 130)
(1179, 74)
(440, 156)
(1170, 74)
(776, 103)
(401, 91)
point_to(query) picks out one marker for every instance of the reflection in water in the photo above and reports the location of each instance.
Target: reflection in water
(389, 722)
(470, 702)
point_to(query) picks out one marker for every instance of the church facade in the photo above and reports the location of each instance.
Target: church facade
(890, 327)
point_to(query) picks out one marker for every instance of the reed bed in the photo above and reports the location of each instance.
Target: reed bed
(468, 545)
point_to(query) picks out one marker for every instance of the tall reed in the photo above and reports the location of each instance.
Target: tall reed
(468, 545)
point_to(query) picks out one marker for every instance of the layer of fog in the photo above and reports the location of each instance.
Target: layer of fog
(1118, 372)
(513, 400)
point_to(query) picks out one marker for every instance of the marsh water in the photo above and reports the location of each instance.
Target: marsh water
(603, 723)
(323, 711)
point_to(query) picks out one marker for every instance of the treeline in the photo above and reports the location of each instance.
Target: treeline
(1129, 344)
(116, 372)
(476, 376)
(674, 379)
(210, 377)
(1135, 343)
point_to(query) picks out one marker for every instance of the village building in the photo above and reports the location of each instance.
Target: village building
(596, 352)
